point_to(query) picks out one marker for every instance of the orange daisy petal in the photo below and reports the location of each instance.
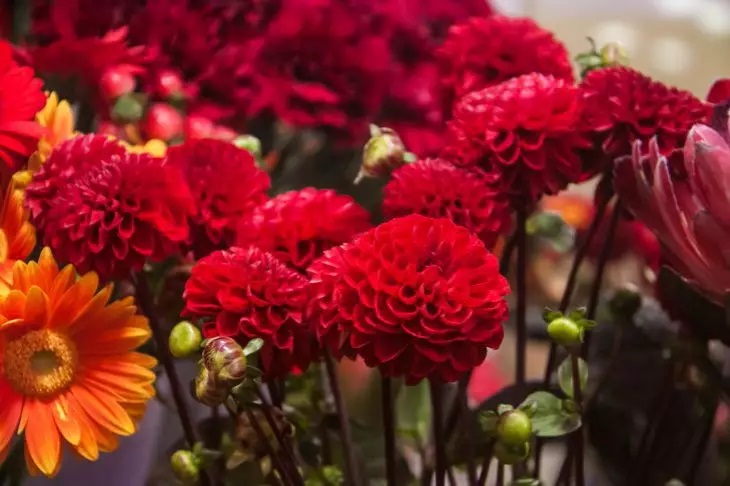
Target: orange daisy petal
(66, 422)
(88, 448)
(41, 438)
(29, 464)
(113, 341)
(73, 302)
(98, 315)
(125, 390)
(36, 307)
(63, 281)
(48, 263)
(13, 306)
(103, 410)
(12, 405)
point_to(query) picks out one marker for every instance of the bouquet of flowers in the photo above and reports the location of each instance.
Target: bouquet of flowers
(323, 201)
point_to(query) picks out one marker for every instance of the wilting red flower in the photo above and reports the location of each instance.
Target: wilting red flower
(482, 52)
(522, 135)
(226, 185)
(437, 189)
(117, 215)
(20, 98)
(719, 91)
(686, 205)
(246, 293)
(67, 161)
(298, 226)
(623, 106)
(416, 297)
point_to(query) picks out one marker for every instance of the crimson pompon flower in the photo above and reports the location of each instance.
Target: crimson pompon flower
(484, 51)
(226, 184)
(246, 293)
(435, 188)
(522, 135)
(298, 226)
(67, 160)
(117, 215)
(621, 106)
(20, 98)
(416, 297)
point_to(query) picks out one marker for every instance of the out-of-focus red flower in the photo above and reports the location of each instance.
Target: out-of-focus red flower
(482, 52)
(719, 91)
(298, 226)
(686, 205)
(117, 215)
(623, 106)
(195, 126)
(416, 297)
(248, 294)
(163, 122)
(69, 19)
(67, 161)
(20, 98)
(437, 189)
(116, 82)
(167, 84)
(522, 135)
(226, 184)
(439, 15)
(486, 380)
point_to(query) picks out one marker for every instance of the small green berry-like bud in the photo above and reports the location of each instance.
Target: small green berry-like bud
(514, 428)
(249, 143)
(614, 54)
(128, 108)
(507, 454)
(207, 391)
(226, 360)
(565, 331)
(384, 152)
(185, 466)
(185, 339)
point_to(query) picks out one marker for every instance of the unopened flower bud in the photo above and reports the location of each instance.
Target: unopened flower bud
(614, 54)
(225, 360)
(383, 152)
(185, 339)
(249, 143)
(185, 466)
(625, 303)
(207, 390)
(565, 331)
(507, 454)
(514, 428)
(128, 108)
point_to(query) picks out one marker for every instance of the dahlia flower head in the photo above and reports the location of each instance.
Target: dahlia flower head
(415, 297)
(226, 185)
(485, 51)
(684, 201)
(435, 188)
(298, 226)
(246, 293)
(522, 136)
(622, 106)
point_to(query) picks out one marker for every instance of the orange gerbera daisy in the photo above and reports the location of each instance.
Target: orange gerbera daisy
(68, 369)
(17, 235)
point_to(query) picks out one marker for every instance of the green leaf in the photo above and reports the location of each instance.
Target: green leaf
(504, 408)
(526, 482)
(529, 408)
(550, 418)
(253, 346)
(549, 315)
(413, 407)
(488, 420)
(577, 314)
(586, 324)
(565, 375)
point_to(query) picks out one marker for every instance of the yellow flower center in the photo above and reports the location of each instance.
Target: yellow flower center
(40, 363)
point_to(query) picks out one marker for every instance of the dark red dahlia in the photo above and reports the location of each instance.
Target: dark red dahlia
(226, 184)
(522, 135)
(68, 19)
(117, 215)
(437, 189)
(298, 226)
(246, 293)
(68, 160)
(416, 297)
(482, 52)
(621, 106)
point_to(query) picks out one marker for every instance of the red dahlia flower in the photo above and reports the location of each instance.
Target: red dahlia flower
(416, 297)
(248, 294)
(298, 226)
(226, 185)
(623, 106)
(67, 161)
(117, 215)
(719, 91)
(482, 52)
(437, 189)
(522, 135)
(20, 98)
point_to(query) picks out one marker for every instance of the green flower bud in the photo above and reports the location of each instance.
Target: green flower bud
(249, 143)
(625, 303)
(128, 108)
(207, 390)
(507, 454)
(185, 339)
(185, 466)
(614, 54)
(226, 360)
(565, 331)
(514, 428)
(383, 152)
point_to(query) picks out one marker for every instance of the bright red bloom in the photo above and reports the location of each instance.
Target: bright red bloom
(416, 297)
(483, 52)
(719, 91)
(248, 294)
(162, 122)
(67, 161)
(623, 106)
(522, 135)
(437, 189)
(117, 215)
(226, 184)
(298, 226)
(20, 98)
